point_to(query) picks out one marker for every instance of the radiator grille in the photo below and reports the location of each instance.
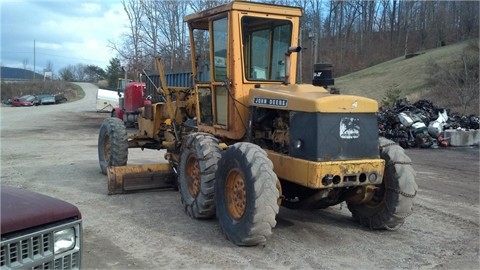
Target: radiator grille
(35, 251)
(67, 262)
(43, 266)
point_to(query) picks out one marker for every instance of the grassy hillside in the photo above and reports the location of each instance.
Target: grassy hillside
(408, 75)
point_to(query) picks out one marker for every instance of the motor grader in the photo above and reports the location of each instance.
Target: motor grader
(243, 139)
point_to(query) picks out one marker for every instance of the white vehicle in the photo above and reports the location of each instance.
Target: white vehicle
(107, 100)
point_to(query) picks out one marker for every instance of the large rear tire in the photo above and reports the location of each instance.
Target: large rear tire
(198, 164)
(246, 195)
(112, 144)
(393, 201)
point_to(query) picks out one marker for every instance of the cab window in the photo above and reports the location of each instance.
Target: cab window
(265, 43)
(220, 49)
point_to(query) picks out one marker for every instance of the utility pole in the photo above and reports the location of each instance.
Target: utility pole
(34, 60)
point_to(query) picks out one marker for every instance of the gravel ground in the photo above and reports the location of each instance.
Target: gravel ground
(53, 150)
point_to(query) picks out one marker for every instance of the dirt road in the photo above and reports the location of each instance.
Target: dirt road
(53, 150)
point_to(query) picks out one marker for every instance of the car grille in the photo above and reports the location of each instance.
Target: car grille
(35, 250)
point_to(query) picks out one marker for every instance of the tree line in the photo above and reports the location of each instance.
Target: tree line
(352, 34)
(92, 73)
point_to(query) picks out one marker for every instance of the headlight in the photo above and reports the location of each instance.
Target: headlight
(64, 240)
(297, 144)
(372, 177)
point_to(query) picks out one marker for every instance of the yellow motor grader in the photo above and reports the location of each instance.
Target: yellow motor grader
(243, 139)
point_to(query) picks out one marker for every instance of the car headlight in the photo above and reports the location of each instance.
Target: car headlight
(64, 240)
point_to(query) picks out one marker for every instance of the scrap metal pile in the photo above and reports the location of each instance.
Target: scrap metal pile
(421, 124)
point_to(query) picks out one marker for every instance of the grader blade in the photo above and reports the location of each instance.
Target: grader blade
(125, 179)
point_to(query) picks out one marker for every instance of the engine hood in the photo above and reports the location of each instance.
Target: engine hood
(22, 209)
(309, 98)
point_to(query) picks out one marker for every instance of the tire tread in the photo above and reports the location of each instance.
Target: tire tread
(259, 220)
(208, 153)
(117, 132)
(401, 189)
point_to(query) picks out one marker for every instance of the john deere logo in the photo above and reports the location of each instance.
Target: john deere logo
(270, 101)
(349, 128)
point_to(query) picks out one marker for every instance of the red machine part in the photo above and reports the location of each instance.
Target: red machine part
(133, 96)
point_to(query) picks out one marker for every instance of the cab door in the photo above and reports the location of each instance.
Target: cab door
(212, 93)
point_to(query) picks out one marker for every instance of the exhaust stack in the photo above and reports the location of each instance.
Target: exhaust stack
(288, 62)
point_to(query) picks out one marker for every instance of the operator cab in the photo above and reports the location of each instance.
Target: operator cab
(240, 44)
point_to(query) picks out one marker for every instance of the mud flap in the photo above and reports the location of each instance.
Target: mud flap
(131, 178)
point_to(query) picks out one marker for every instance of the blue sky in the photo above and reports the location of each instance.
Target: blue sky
(64, 32)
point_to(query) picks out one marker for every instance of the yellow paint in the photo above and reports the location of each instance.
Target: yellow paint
(310, 173)
(238, 86)
(150, 128)
(309, 98)
(246, 7)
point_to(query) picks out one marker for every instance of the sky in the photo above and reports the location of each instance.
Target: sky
(62, 32)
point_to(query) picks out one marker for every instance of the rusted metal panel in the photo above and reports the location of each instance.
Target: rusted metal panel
(130, 178)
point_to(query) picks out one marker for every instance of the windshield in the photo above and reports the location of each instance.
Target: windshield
(265, 43)
(27, 98)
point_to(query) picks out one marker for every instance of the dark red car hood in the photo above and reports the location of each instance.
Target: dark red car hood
(22, 209)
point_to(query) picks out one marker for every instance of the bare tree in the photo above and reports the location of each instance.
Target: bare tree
(409, 14)
(468, 17)
(135, 14)
(173, 33)
(309, 37)
(25, 65)
(48, 66)
(130, 49)
(316, 10)
(464, 82)
(352, 34)
(393, 23)
(73, 73)
(458, 82)
(150, 29)
(198, 5)
(367, 22)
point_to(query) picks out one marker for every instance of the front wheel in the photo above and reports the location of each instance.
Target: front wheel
(246, 195)
(393, 200)
(198, 163)
(112, 144)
